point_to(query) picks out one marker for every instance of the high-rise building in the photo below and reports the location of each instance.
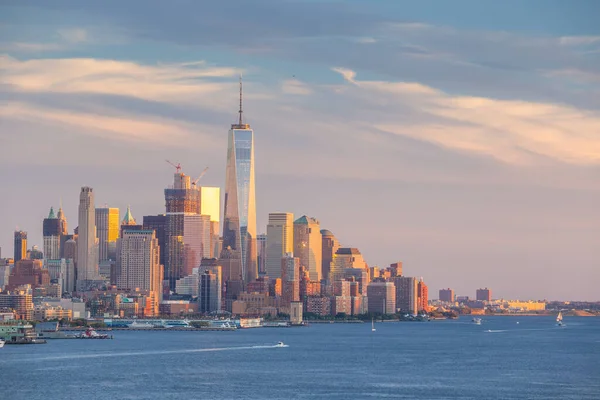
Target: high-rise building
(129, 223)
(28, 272)
(158, 224)
(446, 295)
(87, 257)
(308, 244)
(395, 269)
(138, 265)
(209, 293)
(261, 246)
(212, 265)
(422, 296)
(239, 220)
(344, 258)
(51, 231)
(107, 231)
(290, 279)
(381, 297)
(210, 200)
(280, 241)
(64, 234)
(406, 294)
(330, 246)
(20, 246)
(483, 294)
(196, 241)
(63, 272)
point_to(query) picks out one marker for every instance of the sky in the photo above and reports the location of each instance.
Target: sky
(461, 138)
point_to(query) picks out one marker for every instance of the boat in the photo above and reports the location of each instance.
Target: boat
(477, 321)
(559, 319)
(372, 325)
(280, 344)
(1, 343)
(92, 334)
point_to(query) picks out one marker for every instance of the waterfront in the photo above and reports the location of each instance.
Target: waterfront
(452, 359)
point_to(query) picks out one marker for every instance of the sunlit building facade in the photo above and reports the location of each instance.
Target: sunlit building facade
(107, 231)
(280, 241)
(308, 244)
(239, 220)
(87, 255)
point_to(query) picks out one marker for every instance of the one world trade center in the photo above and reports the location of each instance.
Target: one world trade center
(239, 219)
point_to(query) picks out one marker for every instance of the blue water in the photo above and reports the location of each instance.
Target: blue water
(409, 360)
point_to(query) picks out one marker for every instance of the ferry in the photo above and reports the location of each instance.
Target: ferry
(92, 334)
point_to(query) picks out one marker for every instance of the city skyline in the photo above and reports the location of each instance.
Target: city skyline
(475, 168)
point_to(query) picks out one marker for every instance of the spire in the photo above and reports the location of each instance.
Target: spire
(241, 111)
(51, 215)
(128, 219)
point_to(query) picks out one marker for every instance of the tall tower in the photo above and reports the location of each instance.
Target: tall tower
(280, 241)
(308, 243)
(138, 265)
(87, 257)
(239, 220)
(107, 229)
(329, 248)
(20, 246)
(51, 231)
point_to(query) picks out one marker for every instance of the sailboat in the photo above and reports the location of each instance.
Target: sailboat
(373, 325)
(559, 319)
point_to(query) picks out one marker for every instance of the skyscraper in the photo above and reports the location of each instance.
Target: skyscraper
(381, 297)
(446, 295)
(210, 200)
(239, 220)
(209, 293)
(345, 257)
(138, 264)
(280, 241)
(290, 279)
(261, 250)
(87, 256)
(406, 294)
(308, 244)
(329, 248)
(158, 224)
(20, 246)
(107, 229)
(51, 231)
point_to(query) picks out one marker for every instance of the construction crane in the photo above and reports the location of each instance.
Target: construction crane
(177, 166)
(200, 177)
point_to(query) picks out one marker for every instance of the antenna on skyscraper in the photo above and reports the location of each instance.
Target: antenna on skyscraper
(240, 123)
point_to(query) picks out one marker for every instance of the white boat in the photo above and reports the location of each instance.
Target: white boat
(477, 321)
(1, 343)
(372, 325)
(280, 344)
(559, 319)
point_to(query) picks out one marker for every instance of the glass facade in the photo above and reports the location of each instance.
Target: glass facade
(239, 220)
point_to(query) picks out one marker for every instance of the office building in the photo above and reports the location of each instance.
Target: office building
(209, 293)
(345, 258)
(406, 294)
(20, 246)
(51, 233)
(381, 297)
(329, 247)
(210, 200)
(107, 231)
(308, 245)
(62, 271)
(239, 220)
(422, 296)
(28, 272)
(87, 255)
(129, 223)
(261, 246)
(446, 295)
(395, 269)
(138, 265)
(280, 241)
(290, 279)
(158, 224)
(483, 294)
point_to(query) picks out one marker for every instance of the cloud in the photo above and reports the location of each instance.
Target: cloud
(513, 131)
(73, 35)
(578, 40)
(294, 86)
(181, 82)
